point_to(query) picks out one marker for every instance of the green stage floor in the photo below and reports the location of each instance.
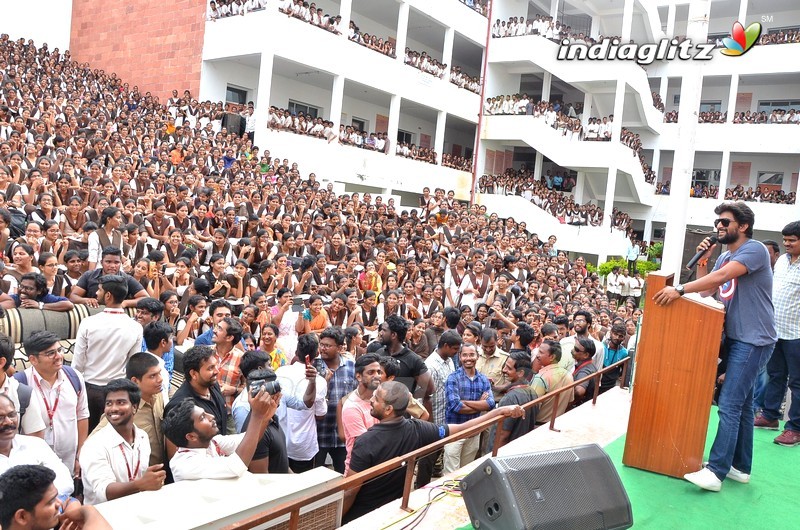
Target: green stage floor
(771, 500)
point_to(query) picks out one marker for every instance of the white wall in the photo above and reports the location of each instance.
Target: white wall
(754, 14)
(217, 75)
(41, 20)
(284, 89)
(759, 91)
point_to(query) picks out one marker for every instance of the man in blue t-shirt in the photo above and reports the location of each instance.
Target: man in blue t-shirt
(742, 280)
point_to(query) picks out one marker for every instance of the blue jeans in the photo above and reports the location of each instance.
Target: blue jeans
(733, 445)
(760, 389)
(784, 367)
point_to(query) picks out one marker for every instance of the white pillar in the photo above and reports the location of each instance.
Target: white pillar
(447, 52)
(337, 97)
(554, 9)
(537, 166)
(724, 174)
(262, 97)
(594, 30)
(691, 88)
(438, 142)
(619, 102)
(663, 88)
(394, 123)
(587, 110)
(671, 10)
(797, 199)
(742, 10)
(627, 20)
(580, 187)
(345, 11)
(732, 98)
(655, 166)
(547, 80)
(608, 204)
(402, 31)
(647, 235)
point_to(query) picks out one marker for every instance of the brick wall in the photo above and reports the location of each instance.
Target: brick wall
(154, 44)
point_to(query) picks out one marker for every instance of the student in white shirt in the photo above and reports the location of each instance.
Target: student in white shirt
(30, 417)
(61, 395)
(17, 449)
(114, 460)
(203, 452)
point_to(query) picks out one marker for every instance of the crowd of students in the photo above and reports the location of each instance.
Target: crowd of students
(776, 116)
(111, 198)
(552, 194)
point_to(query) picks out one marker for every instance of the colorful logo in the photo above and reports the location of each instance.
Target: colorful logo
(741, 40)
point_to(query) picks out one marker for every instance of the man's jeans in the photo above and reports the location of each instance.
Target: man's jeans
(733, 445)
(783, 367)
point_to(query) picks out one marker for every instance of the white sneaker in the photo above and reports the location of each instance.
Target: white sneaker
(736, 475)
(705, 479)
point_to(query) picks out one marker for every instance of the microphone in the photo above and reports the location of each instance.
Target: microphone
(696, 258)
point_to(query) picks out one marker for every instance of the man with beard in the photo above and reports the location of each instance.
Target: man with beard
(742, 276)
(581, 323)
(17, 449)
(203, 452)
(356, 417)
(613, 351)
(393, 436)
(413, 372)
(114, 460)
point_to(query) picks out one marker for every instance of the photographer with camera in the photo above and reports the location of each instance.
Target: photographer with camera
(204, 453)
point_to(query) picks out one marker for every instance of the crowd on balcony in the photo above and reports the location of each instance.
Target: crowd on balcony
(414, 152)
(424, 62)
(457, 162)
(480, 6)
(250, 270)
(657, 102)
(776, 116)
(230, 8)
(783, 36)
(553, 194)
(373, 42)
(311, 14)
(463, 80)
(567, 120)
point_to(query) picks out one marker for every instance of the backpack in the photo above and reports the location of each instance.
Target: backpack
(18, 222)
(24, 391)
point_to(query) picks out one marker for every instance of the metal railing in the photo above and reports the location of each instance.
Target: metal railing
(409, 460)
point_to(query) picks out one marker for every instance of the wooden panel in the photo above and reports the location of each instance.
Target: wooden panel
(456, 151)
(740, 173)
(424, 140)
(509, 160)
(793, 185)
(744, 100)
(666, 175)
(674, 380)
(381, 123)
(489, 164)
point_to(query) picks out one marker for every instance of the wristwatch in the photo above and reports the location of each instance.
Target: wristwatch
(680, 289)
(41, 305)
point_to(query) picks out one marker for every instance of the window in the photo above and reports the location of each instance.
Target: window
(236, 95)
(710, 106)
(359, 124)
(785, 104)
(296, 107)
(404, 137)
(705, 177)
(770, 178)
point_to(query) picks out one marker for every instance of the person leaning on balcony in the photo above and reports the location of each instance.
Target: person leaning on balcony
(550, 377)
(395, 435)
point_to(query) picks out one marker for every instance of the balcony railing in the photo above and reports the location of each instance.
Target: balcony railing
(409, 460)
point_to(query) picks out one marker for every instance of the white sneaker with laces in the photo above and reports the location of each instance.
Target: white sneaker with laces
(735, 475)
(705, 479)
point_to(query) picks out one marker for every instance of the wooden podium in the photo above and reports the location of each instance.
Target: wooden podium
(676, 363)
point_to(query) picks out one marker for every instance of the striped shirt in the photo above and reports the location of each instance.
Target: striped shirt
(440, 369)
(229, 373)
(786, 297)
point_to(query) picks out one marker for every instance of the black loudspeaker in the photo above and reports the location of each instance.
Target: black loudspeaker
(565, 488)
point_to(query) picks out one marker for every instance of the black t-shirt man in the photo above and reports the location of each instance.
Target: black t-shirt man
(382, 442)
(411, 366)
(90, 282)
(272, 445)
(215, 406)
(518, 395)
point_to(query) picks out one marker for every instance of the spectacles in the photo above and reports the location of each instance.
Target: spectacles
(10, 416)
(724, 222)
(51, 353)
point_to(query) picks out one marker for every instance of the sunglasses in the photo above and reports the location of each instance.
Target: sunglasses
(723, 222)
